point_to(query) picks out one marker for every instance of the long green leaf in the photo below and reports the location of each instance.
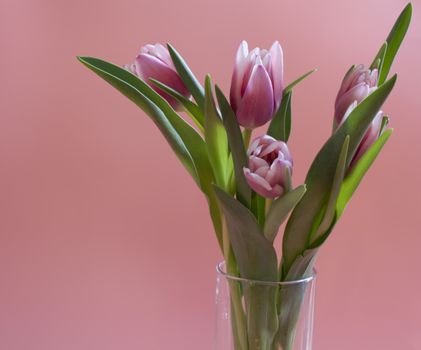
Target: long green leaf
(255, 255)
(299, 80)
(188, 77)
(330, 209)
(191, 108)
(322, 171)
(128, 85)
(236, 144)
(216, 137)
(189, 147)
(280, 126)
(279, 211)
(394, 40)
(192, 140)
(352, 181)
(257, 261)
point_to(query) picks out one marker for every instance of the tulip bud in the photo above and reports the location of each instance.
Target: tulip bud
(154, 61)
(371, 135)
(269, 161)
(357, 84)
(257, 84)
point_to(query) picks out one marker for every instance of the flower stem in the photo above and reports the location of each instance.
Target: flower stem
(246, 137)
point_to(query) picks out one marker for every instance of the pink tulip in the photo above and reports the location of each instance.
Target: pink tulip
(356, 86)
(371, 135)
(257, 84)
(154, 61)
(269, 160)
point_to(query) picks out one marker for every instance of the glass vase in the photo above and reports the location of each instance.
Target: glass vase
(256, 315)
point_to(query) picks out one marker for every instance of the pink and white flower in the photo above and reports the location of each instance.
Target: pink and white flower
(154, 61)
(270, 165)
(357, 84)
(257, 84)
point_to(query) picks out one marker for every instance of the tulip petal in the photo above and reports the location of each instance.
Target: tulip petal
(277, 71)
(259, 184)
(238, 74)
(347, 113)
(277, 191)
(262, 171)
(131, 67)
(277, 171)
(371, 135)
(253, 146)
(252, 59)
(256, 163)
(357, 93)
(151, 67)
(256, 107)
(349, 79)
(271, 147)
(162, 53)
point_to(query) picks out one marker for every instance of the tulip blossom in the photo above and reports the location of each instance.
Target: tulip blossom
(357, 84)
(154, 61)
(371, 135)
(257, 84)
(270, 165)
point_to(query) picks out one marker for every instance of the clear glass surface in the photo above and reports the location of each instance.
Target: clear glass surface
(256, 315)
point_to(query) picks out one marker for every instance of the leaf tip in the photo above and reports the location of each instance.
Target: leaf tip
(392, 81)
(81, 59)
(208, 84)
(408, 8)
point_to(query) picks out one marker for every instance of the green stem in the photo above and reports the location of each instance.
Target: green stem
(246, 137)
(268, 204)
(238, 318)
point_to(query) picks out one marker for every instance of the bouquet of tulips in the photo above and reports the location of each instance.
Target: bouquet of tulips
(247, 179)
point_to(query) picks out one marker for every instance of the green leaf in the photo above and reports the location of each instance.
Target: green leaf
(352, 181)
(216, 137)
(130, 86)
(330, 210)
(188, 77)
(187, 144)
(257, 261)
(255, 255)
(385, 123)
(303, 265)
(279, 211)
(299, 80)
(191, 108)
(288, 119)
(322, 171)
(280, 126)
(236, 144)
(379, 59)
(258, 208)
(394, 40)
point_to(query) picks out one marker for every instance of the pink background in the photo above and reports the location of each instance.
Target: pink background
(105, 243)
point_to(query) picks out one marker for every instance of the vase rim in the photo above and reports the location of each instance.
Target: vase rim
(220, 269)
